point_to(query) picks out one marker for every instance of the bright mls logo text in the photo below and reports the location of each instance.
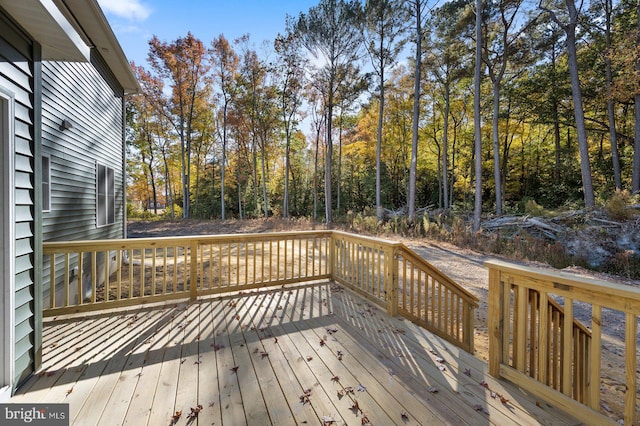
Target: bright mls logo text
(37, 414)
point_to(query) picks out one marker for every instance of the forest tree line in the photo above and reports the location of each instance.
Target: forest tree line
(393, 104)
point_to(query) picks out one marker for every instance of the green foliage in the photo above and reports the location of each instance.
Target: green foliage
(177, 212)
(618, 206)
(532, 208)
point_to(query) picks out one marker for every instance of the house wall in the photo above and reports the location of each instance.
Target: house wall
(16, 77)
(79, 93)
(86, 95)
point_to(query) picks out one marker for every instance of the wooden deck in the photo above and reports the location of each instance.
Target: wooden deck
(308, 354)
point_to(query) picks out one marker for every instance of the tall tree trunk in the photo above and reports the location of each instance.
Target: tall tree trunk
(224, 160)
(329, 154)
(315, 176)
(287, 168)
(339, 174)
(496, 146)
(583, 143)
(379, 146)
(264, 181)
(416, 112)
(477, 212)
(613, 137)
(635, 178)
(445, 145)
(555, 114)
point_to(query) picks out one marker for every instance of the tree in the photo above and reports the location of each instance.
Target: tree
(569, 28)
(416, 10)
(331, 30)
(383, 25)
(184, 65)
(291, 81)
(477, 121)
(446, 60)
(498, 45)
(226, 67)
(635, 180)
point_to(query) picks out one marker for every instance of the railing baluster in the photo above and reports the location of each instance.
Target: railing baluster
(631, 361)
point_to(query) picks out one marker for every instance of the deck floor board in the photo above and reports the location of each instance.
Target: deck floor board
(143, 365)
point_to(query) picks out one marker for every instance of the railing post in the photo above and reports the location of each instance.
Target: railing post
(331, 256)
(193, 269)
(495, 325)
(391, 280)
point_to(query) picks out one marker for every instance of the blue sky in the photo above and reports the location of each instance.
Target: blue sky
(134, 22)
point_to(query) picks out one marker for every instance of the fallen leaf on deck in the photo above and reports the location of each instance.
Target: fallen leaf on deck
(321, 342)
(340, 393)
(275, 340)
(340, 354)
(503, 399)
(433, 389)
(176, 416)
(328, 420)
(264, 354)
(234, 369)
(305, 397)
(404, 416)
(440, 360)
(355, 407)
(217, 347)
(467, 372)
(361, 388)
(479, 407)
(69, 391)
(493, 395)
(335, 379)
(349, 389)
(484, 384)
(309, 358)
(198, 362)
(194, 412)
(442, 368)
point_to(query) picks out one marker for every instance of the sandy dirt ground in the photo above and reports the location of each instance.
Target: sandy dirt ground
(465, 267)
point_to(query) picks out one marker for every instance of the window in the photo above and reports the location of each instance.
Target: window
(105, 196)
(46, 183)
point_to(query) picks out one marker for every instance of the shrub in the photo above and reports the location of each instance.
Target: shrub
(617, 206)
(532, 208)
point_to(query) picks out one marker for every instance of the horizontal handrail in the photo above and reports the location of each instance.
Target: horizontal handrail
(565, 357)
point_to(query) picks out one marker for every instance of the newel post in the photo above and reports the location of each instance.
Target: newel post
(495, 325)
(193, 269)
(391, 280)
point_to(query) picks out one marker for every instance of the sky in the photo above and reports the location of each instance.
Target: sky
(134, 22)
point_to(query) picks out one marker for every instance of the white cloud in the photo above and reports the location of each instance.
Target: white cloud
(132, 10)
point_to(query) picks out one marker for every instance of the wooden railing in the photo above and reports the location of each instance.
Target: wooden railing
(433, 300)
(93, 275)
(536, 342)
(148, 270)
(394, 276)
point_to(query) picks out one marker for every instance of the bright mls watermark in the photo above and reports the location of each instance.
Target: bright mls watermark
(34, 414)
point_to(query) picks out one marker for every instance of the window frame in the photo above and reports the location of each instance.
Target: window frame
(46, 183)
(105, 195)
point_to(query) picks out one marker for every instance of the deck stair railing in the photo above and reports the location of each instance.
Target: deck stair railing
(92, 275)
(537, 342)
